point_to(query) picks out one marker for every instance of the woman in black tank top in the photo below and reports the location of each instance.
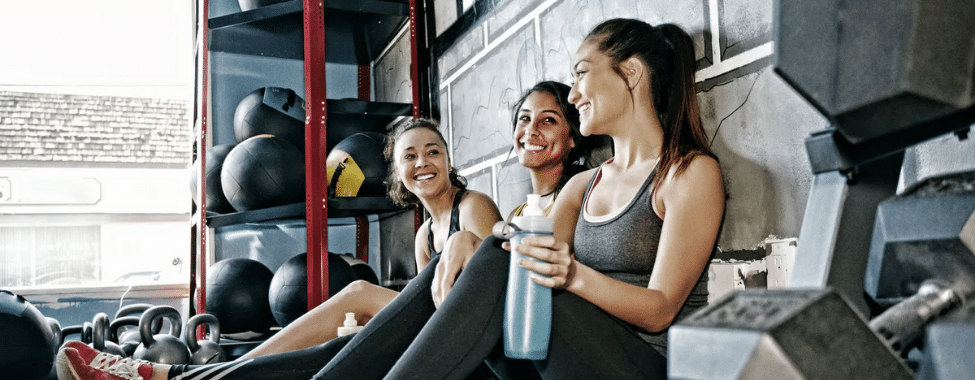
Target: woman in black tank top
(421, 174)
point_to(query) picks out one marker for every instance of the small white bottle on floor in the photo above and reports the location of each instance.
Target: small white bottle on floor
(349, 326)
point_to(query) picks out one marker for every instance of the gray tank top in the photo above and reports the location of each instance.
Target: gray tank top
(601, 246)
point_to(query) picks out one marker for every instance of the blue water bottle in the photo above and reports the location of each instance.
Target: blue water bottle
(528, 306)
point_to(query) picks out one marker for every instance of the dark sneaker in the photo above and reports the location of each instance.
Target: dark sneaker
(77, 361)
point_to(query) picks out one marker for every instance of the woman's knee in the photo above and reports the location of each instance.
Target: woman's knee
(462, 240)
(357, 290)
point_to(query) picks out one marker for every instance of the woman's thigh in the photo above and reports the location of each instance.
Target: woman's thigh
(588, 343)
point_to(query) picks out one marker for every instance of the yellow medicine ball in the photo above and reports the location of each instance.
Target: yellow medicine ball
(356, 166)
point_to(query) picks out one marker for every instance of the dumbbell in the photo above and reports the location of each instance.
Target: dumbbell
(920, 271)
(903, 324)
(924, 244)
(780, 334)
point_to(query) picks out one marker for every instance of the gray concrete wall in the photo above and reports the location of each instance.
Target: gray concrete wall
(760, 146)
(757, 122)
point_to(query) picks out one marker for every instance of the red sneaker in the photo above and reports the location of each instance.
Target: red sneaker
(77, 361)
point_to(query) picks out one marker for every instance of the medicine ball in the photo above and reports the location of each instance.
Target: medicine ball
(29, 344)
(356, 166)
(216, 200)
(271, 111)
(263, 171)
(288, 293)
(362, 269)
(237, 294)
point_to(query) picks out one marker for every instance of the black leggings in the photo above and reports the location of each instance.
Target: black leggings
(586, 342)
(409, 340)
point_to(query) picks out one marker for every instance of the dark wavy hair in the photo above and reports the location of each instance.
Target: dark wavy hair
(668, 52)
(571, 165)
(398, 191)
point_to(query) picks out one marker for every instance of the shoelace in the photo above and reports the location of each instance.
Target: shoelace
(121, 367)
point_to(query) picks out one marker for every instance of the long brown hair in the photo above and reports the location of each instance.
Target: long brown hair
(668, 52)
(398, 191)
(560, 91)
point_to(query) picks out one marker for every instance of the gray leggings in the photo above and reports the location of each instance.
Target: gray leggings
(410, 339)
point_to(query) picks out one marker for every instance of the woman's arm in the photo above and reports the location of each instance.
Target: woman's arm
(478, 214)
(693, 206)
(420, 249)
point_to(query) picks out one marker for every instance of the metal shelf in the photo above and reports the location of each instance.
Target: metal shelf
(349, 116)
(338, 207)
(357, 31)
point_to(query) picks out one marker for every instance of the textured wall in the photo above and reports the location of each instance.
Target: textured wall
(391, 72)
(522, 42)
(757, 122)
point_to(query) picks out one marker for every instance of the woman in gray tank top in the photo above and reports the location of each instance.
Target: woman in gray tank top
(633, 237)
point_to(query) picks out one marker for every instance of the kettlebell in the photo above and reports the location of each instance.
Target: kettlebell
(87, 329)
(58, 336)
(69, 331)
(161, 348)
(100, 336)
(127, 333)
(128, 339)
(136, 310)
(204, 351)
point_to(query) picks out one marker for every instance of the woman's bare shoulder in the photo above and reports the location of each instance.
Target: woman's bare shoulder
(577, 184)
(478, 200)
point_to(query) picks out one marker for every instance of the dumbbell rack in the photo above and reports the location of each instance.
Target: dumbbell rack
(315, 31)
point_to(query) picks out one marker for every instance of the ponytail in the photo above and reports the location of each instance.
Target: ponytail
(668, 52)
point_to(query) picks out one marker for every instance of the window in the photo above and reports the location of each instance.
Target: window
(95, 143)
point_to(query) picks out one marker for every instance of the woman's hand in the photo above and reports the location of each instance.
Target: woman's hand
(456, 253)
(557, 262)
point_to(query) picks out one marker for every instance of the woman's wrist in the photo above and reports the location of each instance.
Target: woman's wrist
(576, 279)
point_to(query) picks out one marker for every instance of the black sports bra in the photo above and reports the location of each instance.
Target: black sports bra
(454, 223)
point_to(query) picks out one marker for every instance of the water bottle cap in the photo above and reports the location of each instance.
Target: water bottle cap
(532, 217)
(350, 320)
(532, 206)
